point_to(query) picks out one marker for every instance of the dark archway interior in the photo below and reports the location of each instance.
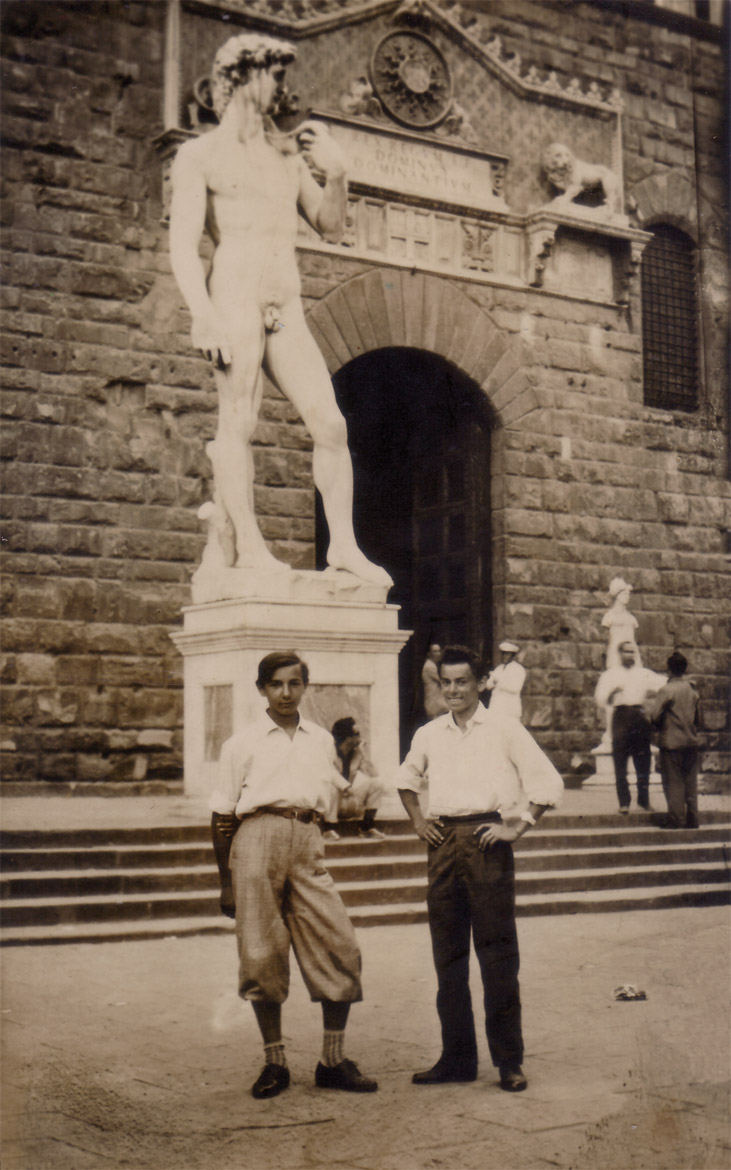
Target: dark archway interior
(418, 431)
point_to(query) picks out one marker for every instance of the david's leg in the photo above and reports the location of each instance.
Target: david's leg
(295, 363)
(239, 399)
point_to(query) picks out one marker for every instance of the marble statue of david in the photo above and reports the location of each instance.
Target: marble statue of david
(246, 183)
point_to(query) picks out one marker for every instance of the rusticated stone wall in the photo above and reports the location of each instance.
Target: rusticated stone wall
(107, 410)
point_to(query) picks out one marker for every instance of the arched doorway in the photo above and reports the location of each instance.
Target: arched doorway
(419, 434)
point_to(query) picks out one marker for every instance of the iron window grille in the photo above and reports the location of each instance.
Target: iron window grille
(670, 320)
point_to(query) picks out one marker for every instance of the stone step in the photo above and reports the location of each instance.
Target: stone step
(598, 901)
(136, 902)
(107, 837)
(138, 876)
(48, 855)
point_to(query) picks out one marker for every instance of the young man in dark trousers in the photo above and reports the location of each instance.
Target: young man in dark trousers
(275, 784)
(674, 712)
(478, 765)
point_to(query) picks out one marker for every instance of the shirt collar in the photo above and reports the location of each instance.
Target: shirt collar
(270, 725)
(479, 717)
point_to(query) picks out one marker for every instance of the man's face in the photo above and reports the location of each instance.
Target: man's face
(460, 688)
(285, 690)
(435, 652)
(627, 656)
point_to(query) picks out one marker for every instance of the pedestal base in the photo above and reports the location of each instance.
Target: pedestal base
(342, 627)
(605, 770)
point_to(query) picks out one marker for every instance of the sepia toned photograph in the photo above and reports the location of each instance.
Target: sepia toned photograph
(366, 571)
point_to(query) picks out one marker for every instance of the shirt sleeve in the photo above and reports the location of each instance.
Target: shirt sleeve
(413, 772)
(657, 705)
(540, 781)
(604, 688)
(229, 781)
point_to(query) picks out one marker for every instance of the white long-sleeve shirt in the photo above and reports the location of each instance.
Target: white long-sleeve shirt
(493, 765)
(506, 683)
(631, 686)
(261, 765)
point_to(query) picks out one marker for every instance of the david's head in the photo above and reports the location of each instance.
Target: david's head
(246, 59)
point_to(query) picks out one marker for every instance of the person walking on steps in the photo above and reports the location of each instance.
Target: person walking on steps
(675, 713)
(625, 689)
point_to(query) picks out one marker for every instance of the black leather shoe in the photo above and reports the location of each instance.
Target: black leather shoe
(345, 1075)
(272, 1080)
(512, 1079)
(442, 1074)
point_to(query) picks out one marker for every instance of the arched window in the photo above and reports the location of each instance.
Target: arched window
(670, 320)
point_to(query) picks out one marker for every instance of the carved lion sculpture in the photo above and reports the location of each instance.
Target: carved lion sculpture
(572, 177)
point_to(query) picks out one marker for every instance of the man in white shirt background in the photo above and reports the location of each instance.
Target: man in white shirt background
(275, 785)
(625, 689)
(505, 682)
(476, 764)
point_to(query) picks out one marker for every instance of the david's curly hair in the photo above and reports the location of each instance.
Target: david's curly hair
(237, 57)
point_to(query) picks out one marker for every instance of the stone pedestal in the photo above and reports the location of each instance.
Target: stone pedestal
(604, 774)
(342, 627)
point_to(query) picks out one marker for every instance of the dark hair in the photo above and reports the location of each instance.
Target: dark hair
(677, 663)
(343, 728)
(273, 662)
(457, 654)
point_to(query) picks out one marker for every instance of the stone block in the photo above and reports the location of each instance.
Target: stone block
(531, 523)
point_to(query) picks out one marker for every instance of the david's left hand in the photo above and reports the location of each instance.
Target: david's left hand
(320, 151)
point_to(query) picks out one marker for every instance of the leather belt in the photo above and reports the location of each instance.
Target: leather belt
(305, 815)
(471, 818)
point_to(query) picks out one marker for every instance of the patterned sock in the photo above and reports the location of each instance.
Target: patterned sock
(274, 1054)
(332, 1048)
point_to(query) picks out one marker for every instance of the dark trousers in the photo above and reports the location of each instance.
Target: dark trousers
(631, 737)
(679, 771)
(471, 892)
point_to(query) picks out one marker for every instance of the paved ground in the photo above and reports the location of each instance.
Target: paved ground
(140, 1055)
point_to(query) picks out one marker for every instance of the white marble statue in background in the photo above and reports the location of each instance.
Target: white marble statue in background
(245, 183)
(621, 625)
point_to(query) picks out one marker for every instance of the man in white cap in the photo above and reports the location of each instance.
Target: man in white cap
(506, 682)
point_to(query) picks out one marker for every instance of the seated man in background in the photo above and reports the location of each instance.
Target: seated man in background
(362, 793)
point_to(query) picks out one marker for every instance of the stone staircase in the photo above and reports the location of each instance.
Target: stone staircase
(100, 884)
